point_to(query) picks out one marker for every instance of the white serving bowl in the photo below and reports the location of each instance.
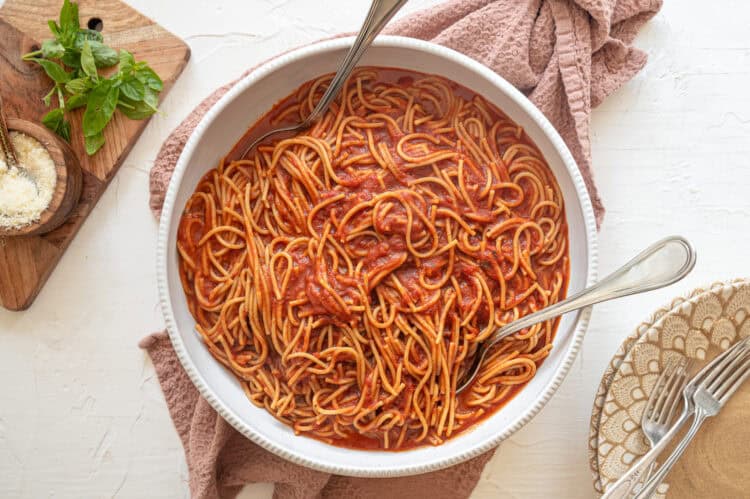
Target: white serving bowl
(215, 135)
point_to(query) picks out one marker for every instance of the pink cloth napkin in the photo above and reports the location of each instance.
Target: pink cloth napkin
(567, 56)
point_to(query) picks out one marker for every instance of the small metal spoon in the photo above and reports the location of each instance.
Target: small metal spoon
(11, 158)
(660, 265)
(381, 11)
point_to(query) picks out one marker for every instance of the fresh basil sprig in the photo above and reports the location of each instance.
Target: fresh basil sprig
(72, 60)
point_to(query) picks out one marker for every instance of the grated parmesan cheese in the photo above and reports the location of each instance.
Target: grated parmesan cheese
(21, 203)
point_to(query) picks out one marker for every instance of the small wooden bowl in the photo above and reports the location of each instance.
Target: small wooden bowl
(69, 180)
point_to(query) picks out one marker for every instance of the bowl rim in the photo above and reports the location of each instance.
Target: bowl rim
(357, 468)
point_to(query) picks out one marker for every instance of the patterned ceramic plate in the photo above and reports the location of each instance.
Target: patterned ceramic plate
(697, 327)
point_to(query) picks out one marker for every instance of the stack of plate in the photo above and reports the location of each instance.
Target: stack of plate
(697, 327)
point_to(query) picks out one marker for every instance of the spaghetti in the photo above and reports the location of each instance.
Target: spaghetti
(347, 274)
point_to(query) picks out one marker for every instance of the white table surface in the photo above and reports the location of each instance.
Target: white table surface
(81, 411)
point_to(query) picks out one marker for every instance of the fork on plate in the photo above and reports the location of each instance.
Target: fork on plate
(662, 404)
(708, 397)
(716, 383)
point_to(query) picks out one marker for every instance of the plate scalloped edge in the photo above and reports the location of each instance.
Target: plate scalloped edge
(612, 368)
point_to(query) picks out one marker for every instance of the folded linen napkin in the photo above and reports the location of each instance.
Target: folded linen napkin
(567, 56)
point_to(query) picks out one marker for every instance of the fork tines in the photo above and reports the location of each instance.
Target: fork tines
(666, 395)
(722, 381)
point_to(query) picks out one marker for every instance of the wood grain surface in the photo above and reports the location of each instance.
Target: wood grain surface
(26, 262)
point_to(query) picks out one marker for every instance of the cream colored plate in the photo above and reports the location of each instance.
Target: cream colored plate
(698, 326)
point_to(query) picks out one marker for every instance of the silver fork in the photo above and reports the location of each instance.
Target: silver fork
(662, 404)
(709, 397)
(663, 263)
(381, 11)
(622, 487)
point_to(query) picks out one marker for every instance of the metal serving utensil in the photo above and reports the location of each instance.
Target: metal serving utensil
(726, 362)
(381, 11)
(709, 397)
(662, 405)
(6, 145)
(662, 264)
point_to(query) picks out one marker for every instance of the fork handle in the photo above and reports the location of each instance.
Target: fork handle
(653, 483)
(650, 472)
(661, 264)
(622, 487)
(381, 11)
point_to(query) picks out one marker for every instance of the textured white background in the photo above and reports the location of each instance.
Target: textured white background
(81, 413)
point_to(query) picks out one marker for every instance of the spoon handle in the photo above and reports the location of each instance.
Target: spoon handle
(663, 263)
(11, 158)
(381, 11)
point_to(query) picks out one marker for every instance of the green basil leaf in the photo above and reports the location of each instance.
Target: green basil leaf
(53, 118)
(132, 89)
(55, 121)
(47, 99)
(72, 58)
(127, 61)
(52, 49)
(65, 130)
(76, 101)
(101, 105)
(90, 35)
(69, 22)
(104, 56)
(151, 98)
(87, 61)
(78, 86)
(135, 110)
(54, 71)
(148, 77)
(94, 143)
(69, 15)
(55, 29)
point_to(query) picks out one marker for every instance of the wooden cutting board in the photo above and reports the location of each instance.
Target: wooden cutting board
(26, 263)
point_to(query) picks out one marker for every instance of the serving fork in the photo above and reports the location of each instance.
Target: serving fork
(722, 369)
(381, 11)
(662, 405)
(663, 263)
(708, 399)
